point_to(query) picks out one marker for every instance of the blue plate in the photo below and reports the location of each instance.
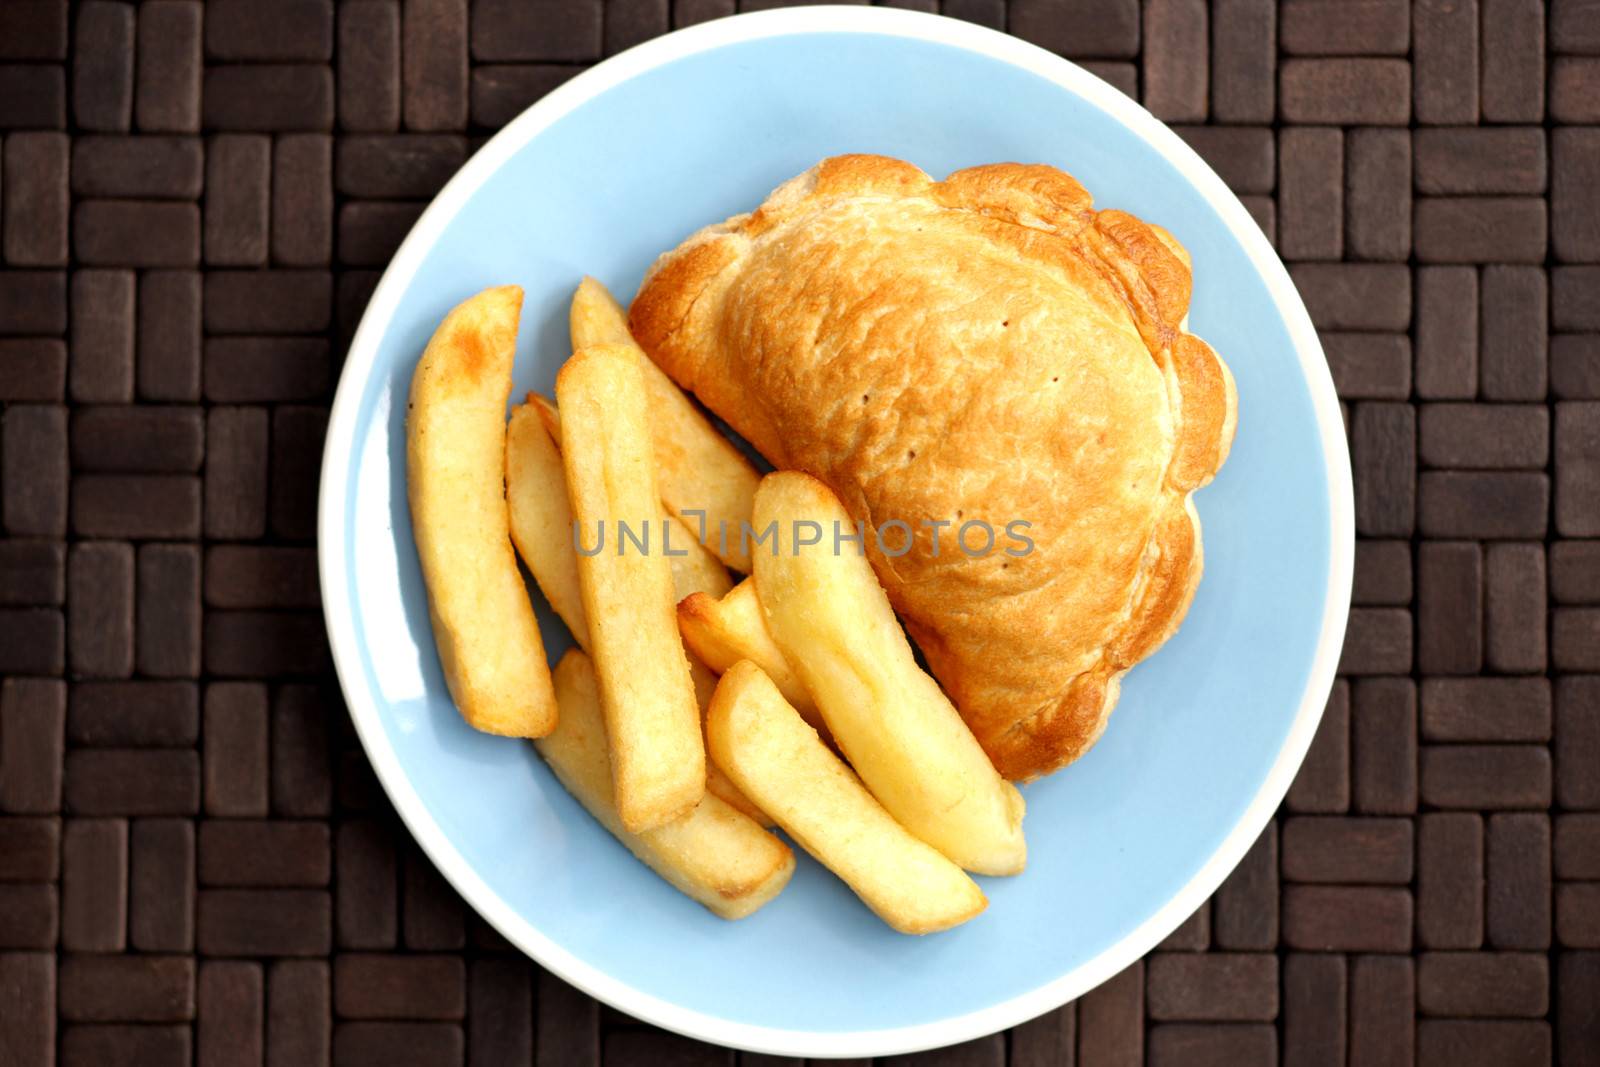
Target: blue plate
(623, 162)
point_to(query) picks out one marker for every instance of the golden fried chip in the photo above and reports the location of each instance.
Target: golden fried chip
(781, 763)
(723, 632)
(483, 624)
(714, 853)
(894, 724)
(699, 470)
(652, 720)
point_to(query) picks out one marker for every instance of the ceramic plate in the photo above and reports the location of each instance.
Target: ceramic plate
(621, 163)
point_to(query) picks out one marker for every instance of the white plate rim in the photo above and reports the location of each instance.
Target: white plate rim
(333, 493)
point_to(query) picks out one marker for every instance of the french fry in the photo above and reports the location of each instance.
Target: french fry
(697, 569)
(699, 469)
(541, 517)
(596, 317)
(658, 759)
(718, 784)
(483, 624)
(899, 731)
(541, 525)
(723, 632)
(546, 410)
(781, 764)
(713, 853)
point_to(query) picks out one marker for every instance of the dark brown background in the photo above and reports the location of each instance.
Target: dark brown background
(195, 861)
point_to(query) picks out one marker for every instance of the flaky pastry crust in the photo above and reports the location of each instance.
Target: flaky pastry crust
(988, 348)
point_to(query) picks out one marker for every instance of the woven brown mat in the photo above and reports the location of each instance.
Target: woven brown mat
(196, 863)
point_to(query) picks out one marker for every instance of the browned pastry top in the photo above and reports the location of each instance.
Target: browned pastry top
(988, 348)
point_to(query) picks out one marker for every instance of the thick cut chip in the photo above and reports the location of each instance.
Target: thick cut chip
(723, 632)
(483, 624)
(781, 763)
(718, 784)
(714, 853)
(894, 724)
(541, 525)
(652, 720)
(704, 479)
(541, 517)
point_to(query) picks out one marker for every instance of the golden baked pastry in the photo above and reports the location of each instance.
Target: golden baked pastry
(988, 348)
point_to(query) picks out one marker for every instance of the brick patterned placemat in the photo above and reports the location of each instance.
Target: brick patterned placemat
(196, 864)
